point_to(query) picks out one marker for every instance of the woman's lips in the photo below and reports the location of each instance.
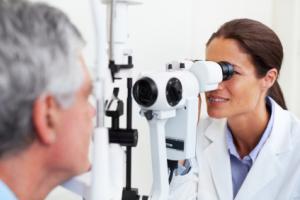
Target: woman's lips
(217, 99)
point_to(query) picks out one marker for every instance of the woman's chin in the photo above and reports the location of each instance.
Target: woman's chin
(215, 114)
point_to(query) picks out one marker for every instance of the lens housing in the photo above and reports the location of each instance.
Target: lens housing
(227, 70)
(173, 91)
(145, 92)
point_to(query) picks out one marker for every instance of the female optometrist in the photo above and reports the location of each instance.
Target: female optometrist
(249, 146)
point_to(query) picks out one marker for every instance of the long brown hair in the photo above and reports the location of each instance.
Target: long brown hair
(263, 46)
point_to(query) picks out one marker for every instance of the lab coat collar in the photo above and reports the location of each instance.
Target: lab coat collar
(217, 155)
(216, 129)
(280, 138)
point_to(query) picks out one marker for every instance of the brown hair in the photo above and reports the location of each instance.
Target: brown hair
(261, 43)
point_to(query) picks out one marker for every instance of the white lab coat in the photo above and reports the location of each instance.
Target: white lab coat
(275, 174)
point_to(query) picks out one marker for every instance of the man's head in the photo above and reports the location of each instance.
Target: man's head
(44, 85)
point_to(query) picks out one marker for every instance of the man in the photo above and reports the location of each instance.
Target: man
(45, 116)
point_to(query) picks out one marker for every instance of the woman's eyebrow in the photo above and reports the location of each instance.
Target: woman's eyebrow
(236, 66)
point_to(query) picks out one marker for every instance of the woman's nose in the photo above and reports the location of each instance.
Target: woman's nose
(221, 85)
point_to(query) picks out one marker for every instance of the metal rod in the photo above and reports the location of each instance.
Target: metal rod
(112, 30)
(128, 168)
(129, 127)
(129, 104)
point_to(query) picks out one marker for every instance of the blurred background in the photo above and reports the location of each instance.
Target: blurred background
(168, 30)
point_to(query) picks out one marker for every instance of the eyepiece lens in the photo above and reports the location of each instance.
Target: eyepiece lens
(227, 70)
(174, 91)
(145, 92)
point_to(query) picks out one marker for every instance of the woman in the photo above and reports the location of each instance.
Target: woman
(249, 147)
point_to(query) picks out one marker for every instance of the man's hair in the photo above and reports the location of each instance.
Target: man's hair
(39, 55)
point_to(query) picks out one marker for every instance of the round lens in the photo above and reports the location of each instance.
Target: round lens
(174, 91)
(227, 70)
(145, 92)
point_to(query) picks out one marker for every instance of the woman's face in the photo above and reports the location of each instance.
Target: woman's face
(244, 92)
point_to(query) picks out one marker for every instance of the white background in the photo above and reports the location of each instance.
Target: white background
(165, 30)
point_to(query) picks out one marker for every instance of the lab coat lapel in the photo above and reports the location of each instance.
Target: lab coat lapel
(263, 171)
(218, 159)
(267, 165)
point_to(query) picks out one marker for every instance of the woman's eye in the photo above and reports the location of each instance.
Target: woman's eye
(235, 72)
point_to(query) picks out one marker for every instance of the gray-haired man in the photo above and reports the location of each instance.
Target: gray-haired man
(45, 116)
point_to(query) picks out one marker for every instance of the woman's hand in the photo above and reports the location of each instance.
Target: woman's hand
(181, 162)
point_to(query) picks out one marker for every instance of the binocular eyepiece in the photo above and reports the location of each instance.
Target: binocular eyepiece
(145, 92)
(170, 84)
(227, 70)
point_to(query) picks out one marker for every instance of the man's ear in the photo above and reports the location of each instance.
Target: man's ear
(44, 112)
(270, 78)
